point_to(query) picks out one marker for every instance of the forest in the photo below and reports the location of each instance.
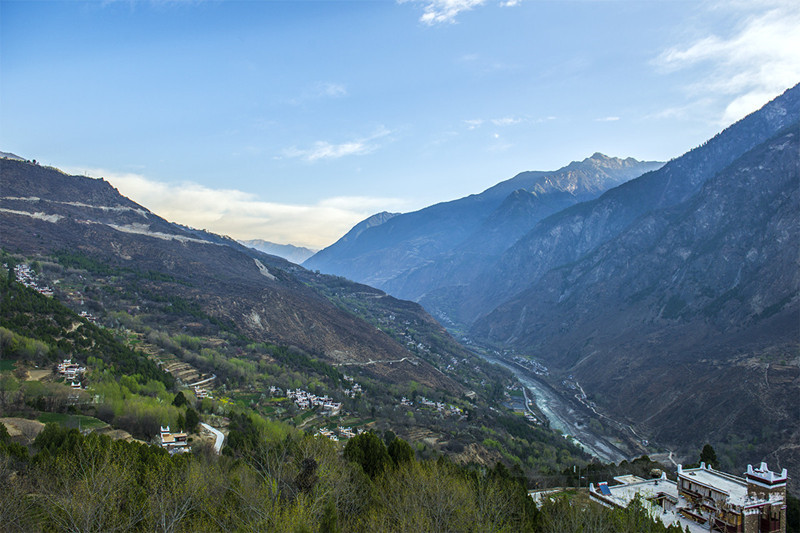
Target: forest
(274, 482)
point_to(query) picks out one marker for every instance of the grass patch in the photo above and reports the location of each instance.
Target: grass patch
(6, 364)
(72, 421)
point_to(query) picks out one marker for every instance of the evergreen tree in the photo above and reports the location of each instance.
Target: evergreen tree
(368, 451)
(708, 455)
(192, 419)
(180, 400)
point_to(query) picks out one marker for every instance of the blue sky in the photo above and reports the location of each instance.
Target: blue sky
(291, 121)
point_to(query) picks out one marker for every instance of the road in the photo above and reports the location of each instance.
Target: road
(218, 434)
(371, 362)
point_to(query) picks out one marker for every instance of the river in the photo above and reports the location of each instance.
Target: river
(564, 417)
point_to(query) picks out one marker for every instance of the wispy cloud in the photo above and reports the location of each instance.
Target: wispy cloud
(503, 121)
(506, 121)
(243, 215)
(754, 63)
(328, 150)
(320, 90)
(607, 119)
(446, 11)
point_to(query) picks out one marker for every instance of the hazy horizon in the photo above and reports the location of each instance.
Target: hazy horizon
(292, 121)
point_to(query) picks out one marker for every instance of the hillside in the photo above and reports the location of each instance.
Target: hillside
(257, 293)
(682, 320)
(703, 339)
(207, 309)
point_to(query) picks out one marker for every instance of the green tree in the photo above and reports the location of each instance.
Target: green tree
(400, 451)
(708, 455)
(368, 451)
(180, 400)
(192, 419)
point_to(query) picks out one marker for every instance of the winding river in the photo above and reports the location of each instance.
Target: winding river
(563, 417)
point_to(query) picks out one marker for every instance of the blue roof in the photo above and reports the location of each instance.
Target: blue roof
(604, 489)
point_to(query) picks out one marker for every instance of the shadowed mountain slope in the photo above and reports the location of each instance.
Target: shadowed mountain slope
(570, 234)
(410, 254)
(687, 322)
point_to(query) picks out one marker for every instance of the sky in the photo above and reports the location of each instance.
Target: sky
(293, 120)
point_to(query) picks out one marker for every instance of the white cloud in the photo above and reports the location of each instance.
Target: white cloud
(243, 215)
(446, 11)
(331, 90)
(757, 61)
(607, 119)
(327, 150)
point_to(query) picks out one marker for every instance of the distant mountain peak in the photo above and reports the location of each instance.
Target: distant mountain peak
(295, 254)
(375, 220)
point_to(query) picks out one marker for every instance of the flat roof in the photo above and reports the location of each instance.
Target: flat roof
(628, 478)
(622, 495)
(736, 488)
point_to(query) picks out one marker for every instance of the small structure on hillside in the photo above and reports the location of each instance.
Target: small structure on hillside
(174, 442)
(70, 370)
(201, 393)
(704, 499)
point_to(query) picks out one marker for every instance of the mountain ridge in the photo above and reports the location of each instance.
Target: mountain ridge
(709, 286)
(290, 252)
(389, 255)
(569, 234)
(268, 297)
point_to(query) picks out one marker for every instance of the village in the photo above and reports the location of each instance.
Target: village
(25, 275)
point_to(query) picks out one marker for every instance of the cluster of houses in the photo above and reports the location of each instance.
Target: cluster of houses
(353, 390)
(340, 432)
(26, 276)
(174, 442)
(307, 400)
(443, 408)
(704, 499)
(529, 364)
(72, 372)
(88, 316)
(201, 393)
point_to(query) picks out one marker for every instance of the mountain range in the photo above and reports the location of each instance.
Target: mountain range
(671, 299)
(295, 254)
(44, 211)
(411, 254)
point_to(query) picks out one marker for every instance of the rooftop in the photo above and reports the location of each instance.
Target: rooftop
(735, 487)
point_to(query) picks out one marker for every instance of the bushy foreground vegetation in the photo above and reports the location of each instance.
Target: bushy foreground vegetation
(291, 483)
